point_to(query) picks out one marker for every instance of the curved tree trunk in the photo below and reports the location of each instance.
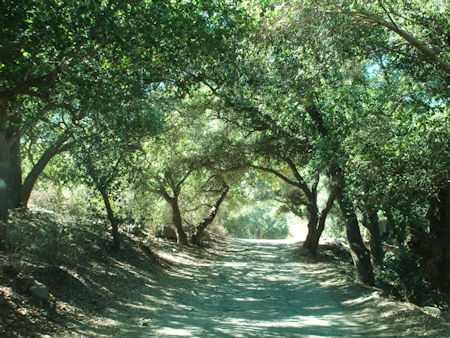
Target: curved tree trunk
(373, 226)
(112, 219)
(316, 223)
(178, 221)
(196, 238)
(360, 254)
(38, 168)
(33, 175)
(312, 238)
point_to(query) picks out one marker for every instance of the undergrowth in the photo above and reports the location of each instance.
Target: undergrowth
(400, 278)
(44, 235)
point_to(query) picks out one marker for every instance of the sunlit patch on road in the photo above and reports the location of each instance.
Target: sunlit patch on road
(252, 288)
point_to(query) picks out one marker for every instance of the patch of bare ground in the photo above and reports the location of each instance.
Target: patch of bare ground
(334, 268)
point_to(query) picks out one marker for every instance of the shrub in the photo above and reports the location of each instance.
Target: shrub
(44, 234)
(401, 272)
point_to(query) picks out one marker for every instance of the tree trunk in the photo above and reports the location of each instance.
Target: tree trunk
(178, 221)
(439, 222)
(316, 227)
(4, 168)
(14, 176)
(34, 174)
(10, 180)
(434, 246)
(360, 254)
(38, 168)
(373, 226)
(196, 238)
(438, 214)
(112, 219)
(312, 238)
(3, 190)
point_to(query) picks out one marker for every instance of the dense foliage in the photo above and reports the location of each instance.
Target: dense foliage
(259, 223)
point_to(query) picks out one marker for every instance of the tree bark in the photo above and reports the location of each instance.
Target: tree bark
(201, 227)
(38, 168)
(14, 176)
(316, 228)
(438, 214)
(439, 238)
(33, 175)
(360, 254)
(3, 174)
(312, 238)
(316, 222)
(178, 221)
(373, 226)
(112, 219)
(10, 180)
(3, 190)
(434, 245)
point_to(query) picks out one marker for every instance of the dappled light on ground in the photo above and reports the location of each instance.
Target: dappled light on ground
(252, 288)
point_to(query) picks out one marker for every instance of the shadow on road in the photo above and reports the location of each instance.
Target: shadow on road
(252, 288)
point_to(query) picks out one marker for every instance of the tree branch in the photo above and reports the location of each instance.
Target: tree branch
(162, 193)
(387, 13)
(278, 174)
(301, 182)
(36, 82)
(185, 177)
(426, 51)
(62, 66)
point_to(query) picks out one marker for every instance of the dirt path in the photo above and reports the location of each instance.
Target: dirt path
(255, 289)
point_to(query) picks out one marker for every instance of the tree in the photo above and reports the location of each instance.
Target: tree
(412, 90)
(177, 162)
(255, 218)
(278, 88)
(306, 196)
(48, 45)
(38, 45)
(212, 213)
(107, 143)
(418, 29)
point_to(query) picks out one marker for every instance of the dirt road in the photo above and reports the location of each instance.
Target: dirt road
(255, 289)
